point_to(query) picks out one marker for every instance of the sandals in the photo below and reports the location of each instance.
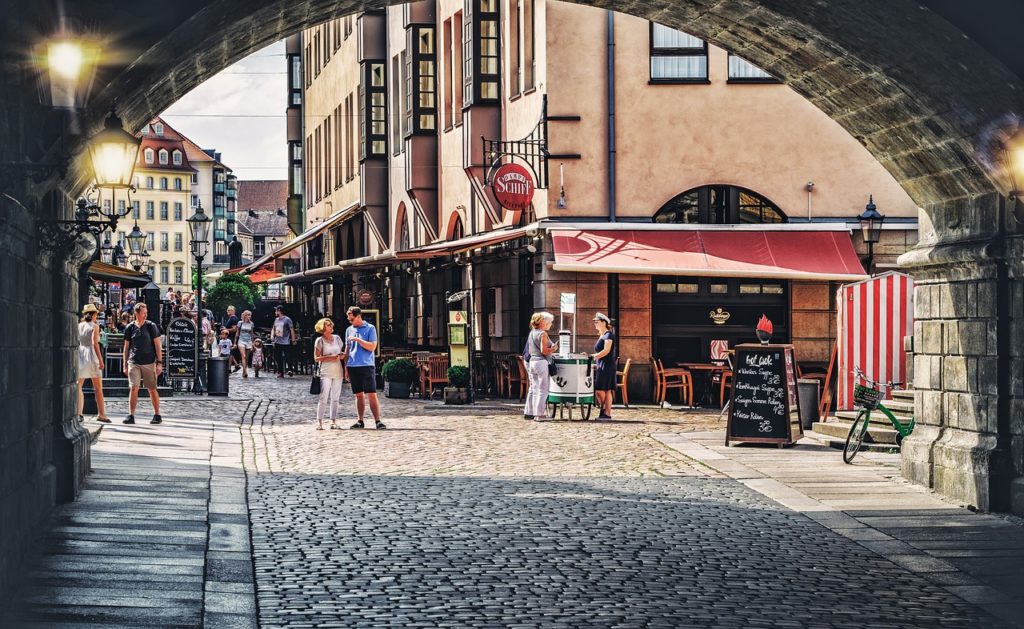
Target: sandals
(335, 426)
(320, 427)
(103, 420)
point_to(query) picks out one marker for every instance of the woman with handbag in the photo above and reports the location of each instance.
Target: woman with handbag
(539, 346)
(329, 354)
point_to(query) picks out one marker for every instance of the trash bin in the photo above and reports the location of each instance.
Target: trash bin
(217, 375)
(807, 391)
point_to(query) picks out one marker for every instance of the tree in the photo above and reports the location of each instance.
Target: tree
(235, 290)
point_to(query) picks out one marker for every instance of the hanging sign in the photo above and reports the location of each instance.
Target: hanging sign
(513, 187)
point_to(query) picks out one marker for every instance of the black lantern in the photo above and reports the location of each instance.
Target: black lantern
(199, 232)
(136, 240)
(871, 228)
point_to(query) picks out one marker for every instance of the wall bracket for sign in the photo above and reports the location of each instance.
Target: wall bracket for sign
(765, 407)
(532, 150)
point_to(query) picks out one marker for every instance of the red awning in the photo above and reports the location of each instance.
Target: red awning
(264, 275)
(783, 254)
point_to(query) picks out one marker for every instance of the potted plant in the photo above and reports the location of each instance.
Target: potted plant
(458, 381)
(399, 374)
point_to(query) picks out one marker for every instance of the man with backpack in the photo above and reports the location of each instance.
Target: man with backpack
(142, 362)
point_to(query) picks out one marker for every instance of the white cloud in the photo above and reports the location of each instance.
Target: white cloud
(241, 113)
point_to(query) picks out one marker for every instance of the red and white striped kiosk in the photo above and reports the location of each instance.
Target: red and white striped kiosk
(874, 316)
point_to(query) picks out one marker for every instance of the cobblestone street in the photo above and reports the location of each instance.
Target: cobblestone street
(491, 520)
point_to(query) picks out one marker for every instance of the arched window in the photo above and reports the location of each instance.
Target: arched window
(149, 182)
(163, 183)
(719, 205)
(163, 156)
(149, 155)
(177, 183)
(457, 231)
(176, 157)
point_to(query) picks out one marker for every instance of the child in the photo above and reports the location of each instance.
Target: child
(257, 355)
(224, 346)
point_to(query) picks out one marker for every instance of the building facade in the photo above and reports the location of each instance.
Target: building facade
(262, 218)
(677, 187)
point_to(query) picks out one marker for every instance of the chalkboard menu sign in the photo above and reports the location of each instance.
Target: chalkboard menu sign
(765, 406)
(181, 349)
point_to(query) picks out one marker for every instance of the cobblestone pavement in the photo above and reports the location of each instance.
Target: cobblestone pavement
(489, 520)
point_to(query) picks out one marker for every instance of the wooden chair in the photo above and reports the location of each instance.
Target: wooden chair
(676, 378)
(656, 378)
(622, 381)
(724, 382)
(516, 376)
(435, 373)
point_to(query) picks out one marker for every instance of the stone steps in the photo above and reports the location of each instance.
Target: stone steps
(838, 429)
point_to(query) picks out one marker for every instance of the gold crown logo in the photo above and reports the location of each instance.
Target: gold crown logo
(719, 316)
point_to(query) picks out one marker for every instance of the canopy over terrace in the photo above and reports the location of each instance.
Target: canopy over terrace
(806, 253)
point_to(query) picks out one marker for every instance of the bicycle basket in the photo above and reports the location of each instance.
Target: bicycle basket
(866, 396)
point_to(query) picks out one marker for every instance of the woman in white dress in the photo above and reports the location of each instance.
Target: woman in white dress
(90, 361)
(244, 336)
(329, 353)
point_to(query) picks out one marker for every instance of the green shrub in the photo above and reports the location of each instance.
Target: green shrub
(458, 376)
(399, 370)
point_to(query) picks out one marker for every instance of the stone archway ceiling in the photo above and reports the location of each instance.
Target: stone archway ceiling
(908, 84)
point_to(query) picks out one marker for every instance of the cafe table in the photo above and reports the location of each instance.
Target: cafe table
(709, 370)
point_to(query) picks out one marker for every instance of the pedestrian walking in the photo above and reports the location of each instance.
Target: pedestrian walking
(224, 345)
(230, 323)
(361, 343)
(539, 346)
(329, 354)
(142, 362)
(90, 362)
(605, 364)
(244, 338)
(257, 355)
(283, 335)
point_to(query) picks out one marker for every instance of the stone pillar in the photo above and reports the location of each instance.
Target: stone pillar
(967, 337)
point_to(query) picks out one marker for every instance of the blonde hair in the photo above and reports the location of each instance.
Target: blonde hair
(319, 327)
(540, 317)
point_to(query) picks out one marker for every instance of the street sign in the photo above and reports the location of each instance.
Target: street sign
(182, 345)
(568, 303)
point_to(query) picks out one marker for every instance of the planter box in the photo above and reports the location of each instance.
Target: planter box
(455, 396)
(399, 390)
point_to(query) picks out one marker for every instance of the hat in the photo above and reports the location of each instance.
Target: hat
(602, 317)
(89, 308)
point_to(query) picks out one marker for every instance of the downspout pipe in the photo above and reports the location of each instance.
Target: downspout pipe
(611, 115)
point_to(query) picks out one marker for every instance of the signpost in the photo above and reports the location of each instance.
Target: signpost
(764, 406)
(182, 349)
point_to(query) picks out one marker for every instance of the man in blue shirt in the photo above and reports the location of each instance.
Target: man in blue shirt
(360, 345)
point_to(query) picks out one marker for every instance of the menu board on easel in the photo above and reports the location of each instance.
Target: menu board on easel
(181, 349)
(765, 407)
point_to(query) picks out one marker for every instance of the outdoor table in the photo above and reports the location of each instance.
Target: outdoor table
(709, 370)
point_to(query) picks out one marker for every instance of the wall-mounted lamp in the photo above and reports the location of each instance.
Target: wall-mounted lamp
(871, 228)
(562, 202)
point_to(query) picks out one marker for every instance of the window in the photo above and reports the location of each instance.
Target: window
(163, 210)
(176, 157)
(258, 246)
(481, 50)
(677, 56)
(135, 210)
(449, 54)
(148, 153)
(179, 275)
(397, 117)
(177, 183)
(137, 182)
(165, 273)
(149, 182)
(456, 77)
(164, 242)
(195, 201)
(178, 243)
(150, 241)
(719, 205)
(195, 177)
(158, 129)
(150, 211)
(163, 156)
(351, 133)
(529, 50)
(373, 111)
(163, 183)
(742, 71)
(177, 211)
(421, 80)
(515, 76)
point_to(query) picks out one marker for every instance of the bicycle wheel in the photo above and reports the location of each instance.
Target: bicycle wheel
(855, 438)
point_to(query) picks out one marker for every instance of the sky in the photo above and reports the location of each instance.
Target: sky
(241, 113)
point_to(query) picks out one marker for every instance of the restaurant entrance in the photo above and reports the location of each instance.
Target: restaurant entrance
(690, 312)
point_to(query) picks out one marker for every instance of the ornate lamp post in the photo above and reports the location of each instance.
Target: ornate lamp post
(199, 244)
(871, 229)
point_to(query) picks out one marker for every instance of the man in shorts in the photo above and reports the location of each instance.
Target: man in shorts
(360, 343)
(142, 361)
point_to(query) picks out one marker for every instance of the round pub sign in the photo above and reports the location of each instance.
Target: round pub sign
(513, 187)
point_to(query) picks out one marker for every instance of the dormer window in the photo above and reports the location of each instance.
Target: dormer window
(158, 129)
(163, 156)
(148, 156)
(176, 157)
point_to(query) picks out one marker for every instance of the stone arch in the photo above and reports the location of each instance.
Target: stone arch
(455, 227)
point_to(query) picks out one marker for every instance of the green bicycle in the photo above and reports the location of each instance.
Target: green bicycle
(868, 398)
